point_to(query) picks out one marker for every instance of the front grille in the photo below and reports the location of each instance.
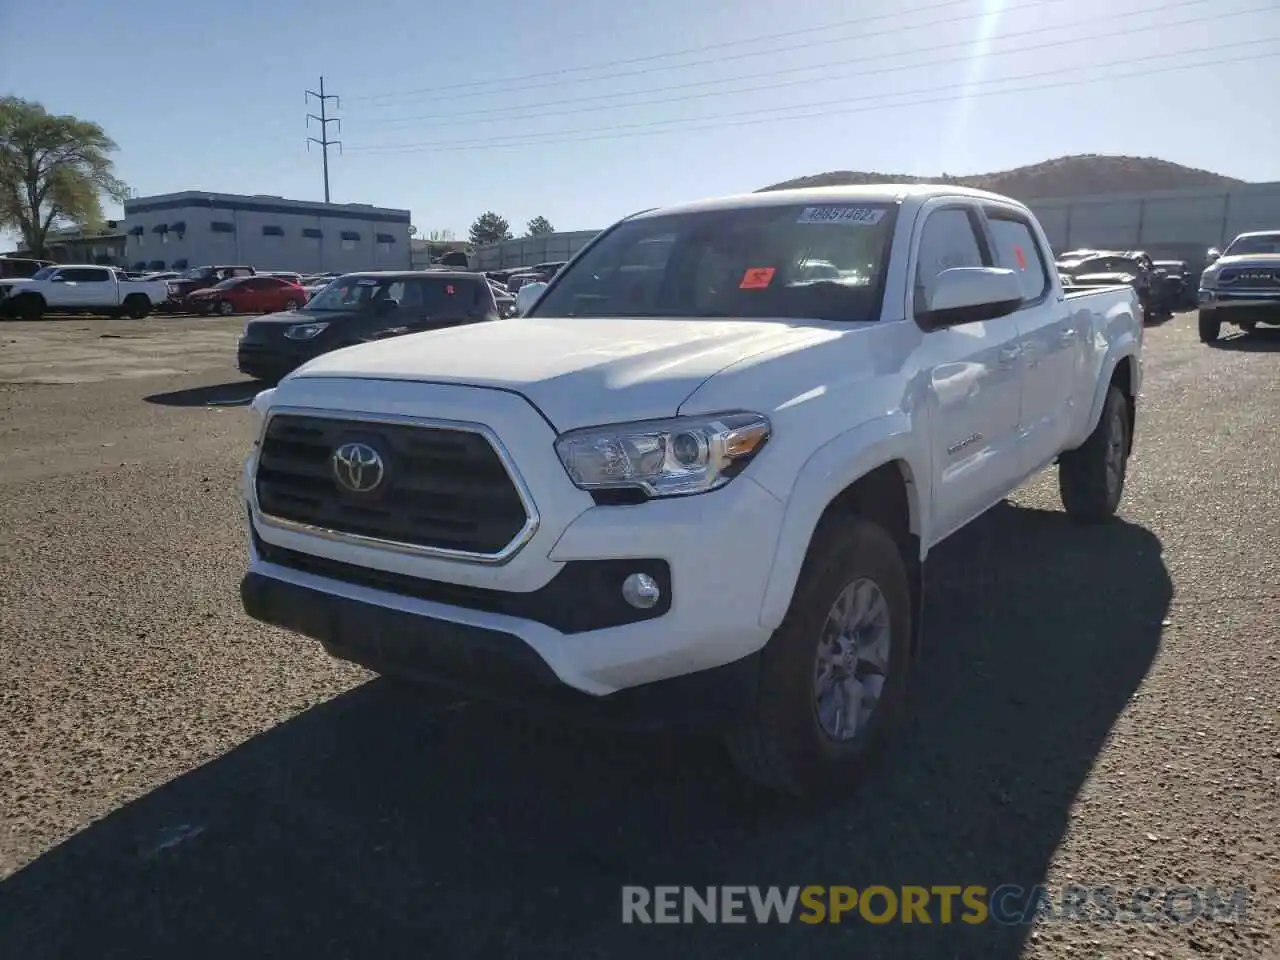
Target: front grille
(1250, 277)
(443, 489)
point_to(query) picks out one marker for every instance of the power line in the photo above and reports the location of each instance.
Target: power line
(457, 119)
(632, 130)
(324, 120)
(522, 83)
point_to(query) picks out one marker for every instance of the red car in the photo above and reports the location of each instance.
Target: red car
(248, 295)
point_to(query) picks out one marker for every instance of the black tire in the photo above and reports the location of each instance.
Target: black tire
(1210, 327)
(136, 306)
(782, 745)
(225, 308)
(1091, 477)
(29, 307)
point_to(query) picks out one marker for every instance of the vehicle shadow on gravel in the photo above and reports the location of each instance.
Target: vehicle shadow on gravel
(387, 824)
(236, 393)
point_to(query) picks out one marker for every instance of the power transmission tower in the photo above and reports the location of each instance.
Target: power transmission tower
(324, 120)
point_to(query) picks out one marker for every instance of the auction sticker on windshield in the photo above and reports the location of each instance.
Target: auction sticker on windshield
(855, 216)
(757, 278)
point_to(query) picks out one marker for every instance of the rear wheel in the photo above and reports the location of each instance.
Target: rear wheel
(1091, 477)
(834, 674)
(225, 308)
(136, 306)
(1210, 327)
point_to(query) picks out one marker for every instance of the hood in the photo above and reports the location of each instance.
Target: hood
(577, 371)
(291, 317)
(14, 281)
(1258, 261)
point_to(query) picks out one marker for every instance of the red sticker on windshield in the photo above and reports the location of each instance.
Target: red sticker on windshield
(1021, 258)
(757, 278)
(449, 289)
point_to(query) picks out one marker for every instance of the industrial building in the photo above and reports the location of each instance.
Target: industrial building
(174, 231)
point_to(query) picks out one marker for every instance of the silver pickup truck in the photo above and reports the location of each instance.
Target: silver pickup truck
(1241, 285)
(74, 288)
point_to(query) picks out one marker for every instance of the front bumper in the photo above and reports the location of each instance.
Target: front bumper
(489, 663)
(272, 359)
(1244, 306)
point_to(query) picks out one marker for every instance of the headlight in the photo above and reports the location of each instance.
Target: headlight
(664, 457)
(305, 331)
(1209, 278)
(258, 408)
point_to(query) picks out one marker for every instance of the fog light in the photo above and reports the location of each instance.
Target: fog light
(641, 591)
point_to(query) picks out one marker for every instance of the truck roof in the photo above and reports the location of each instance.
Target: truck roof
(862, 193)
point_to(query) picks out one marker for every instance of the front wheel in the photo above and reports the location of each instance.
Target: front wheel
(1210, 327)
(834, 674)
(225, 308)
(1091, 477)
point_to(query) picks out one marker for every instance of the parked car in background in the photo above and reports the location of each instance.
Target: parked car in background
(201, 278)
(700, 491)
(75, 288)
(21, 268)
(1179, 283)
(504, 299)
(1241, 286)
(361, 307)
(1110, 269)
(257, 294)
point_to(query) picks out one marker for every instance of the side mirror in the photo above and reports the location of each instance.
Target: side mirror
(528, 296)
(1213, 254)
(969, 294)
(58, 278)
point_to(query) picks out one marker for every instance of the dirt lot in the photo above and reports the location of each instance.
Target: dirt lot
(1097, 707)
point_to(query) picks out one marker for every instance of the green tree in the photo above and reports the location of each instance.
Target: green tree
(54, 171)
(538, 226)
(490, 228)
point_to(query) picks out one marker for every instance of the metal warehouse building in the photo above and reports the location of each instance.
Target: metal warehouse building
(174, 231)
(1174, 224)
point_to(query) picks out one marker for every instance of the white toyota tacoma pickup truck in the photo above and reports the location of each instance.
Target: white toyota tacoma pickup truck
(697, 482)
(77, 288)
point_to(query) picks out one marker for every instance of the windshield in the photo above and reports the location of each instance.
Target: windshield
(433, 296)
(229, 283)
(44, 273)
(198, 273)
(794, 262)
(1253, 246)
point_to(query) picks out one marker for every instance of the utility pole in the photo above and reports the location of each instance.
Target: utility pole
(324, 120)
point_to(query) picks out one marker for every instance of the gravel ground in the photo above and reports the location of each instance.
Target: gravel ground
(1097, 707)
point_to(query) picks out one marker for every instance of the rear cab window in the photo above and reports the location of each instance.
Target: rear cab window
(1017, 249)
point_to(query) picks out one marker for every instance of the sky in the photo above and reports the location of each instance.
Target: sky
(584, 112)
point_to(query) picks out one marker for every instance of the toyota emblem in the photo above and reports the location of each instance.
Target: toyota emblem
(358, 467)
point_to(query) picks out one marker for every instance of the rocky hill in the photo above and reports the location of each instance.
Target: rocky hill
(1063, 177)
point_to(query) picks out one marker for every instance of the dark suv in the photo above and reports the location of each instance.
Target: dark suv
(360, 307)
